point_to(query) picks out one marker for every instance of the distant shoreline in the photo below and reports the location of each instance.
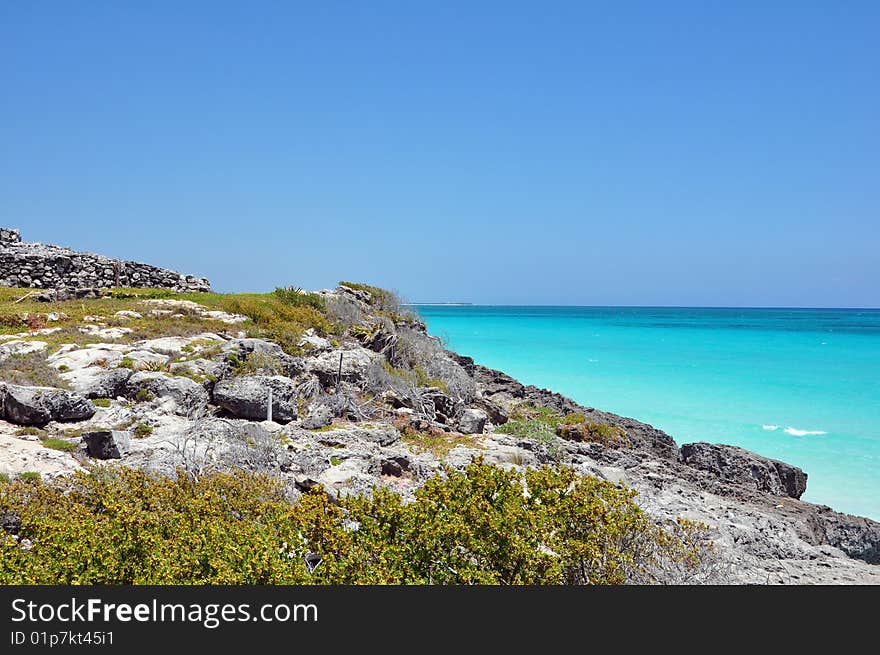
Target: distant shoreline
(733, 307)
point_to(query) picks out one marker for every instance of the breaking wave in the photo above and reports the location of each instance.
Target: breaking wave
(802, 433)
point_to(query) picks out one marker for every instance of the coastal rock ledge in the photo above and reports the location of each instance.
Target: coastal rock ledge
(739, 466)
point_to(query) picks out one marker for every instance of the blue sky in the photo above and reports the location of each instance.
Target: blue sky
(674, 153)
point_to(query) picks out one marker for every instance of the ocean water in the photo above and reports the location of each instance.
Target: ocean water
(800, 385)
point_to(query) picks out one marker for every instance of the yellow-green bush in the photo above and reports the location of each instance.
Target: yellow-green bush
(607, 435)
(276, 319)
(483, 525)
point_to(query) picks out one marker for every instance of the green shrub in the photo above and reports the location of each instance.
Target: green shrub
(144, 396)
(101, 402)
(4, 478)
(142, 431)
(574, 419)
(126, 362)
(255, 363)
(296, 297)
(277, 320)
(483, 525)
(29, 477)
(607, 435)
(528, 412)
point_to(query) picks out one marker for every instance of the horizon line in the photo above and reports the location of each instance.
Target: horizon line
(473, 304)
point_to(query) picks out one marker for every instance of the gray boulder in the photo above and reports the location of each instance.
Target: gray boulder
(355, 362)
(247, 397)
(472, 421)
(185, 397)
(319, 416)
(40, 405)
(107, 444)
(739, 466)
(109, 383)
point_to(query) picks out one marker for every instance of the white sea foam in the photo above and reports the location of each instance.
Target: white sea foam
(802, 433)
(770, 428)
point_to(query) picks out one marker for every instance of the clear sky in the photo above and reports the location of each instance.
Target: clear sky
(673, 153)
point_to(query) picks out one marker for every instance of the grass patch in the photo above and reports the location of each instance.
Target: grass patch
(56, 443)
(143, 431)
(296, 297)
(277, 320)
(439, 444)
(31, 369)
(29, 477)
(101, 402)
(30, 431)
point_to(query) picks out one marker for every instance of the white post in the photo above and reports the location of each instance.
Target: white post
(269, 408)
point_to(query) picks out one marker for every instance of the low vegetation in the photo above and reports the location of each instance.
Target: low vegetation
(543, 424)
(30, 369)
(530, 422)
(607, 435)
(142, 431)
(56, 443)
(438, 443)
(483, 525)
(277, 319)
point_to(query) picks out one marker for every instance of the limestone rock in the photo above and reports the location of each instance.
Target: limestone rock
(107, 444)
(247, 397)
(19, 347)
(355, 362)
(181, 395)
(105, 383)
(472, 421)
(739, 466)
(319, 416)
(40, 405)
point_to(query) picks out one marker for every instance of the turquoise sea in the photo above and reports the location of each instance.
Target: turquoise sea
(800, 385)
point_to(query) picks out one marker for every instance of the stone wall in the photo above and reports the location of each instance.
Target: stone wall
(46, 266)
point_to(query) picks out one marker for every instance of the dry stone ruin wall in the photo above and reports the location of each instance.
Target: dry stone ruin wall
(47, 266)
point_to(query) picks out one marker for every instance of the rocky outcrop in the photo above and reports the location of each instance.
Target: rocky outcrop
(342, 364)
(16, 348)
(379, 424)
(107, 444)
(472, 421)
(735, 465)
(182, 395)
(53, 267)
(248, 397)
(103, 383)
(500, 392)
(40, 405)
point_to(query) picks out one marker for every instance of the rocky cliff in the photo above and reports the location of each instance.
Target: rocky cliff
(360, 396)
(46, 266)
